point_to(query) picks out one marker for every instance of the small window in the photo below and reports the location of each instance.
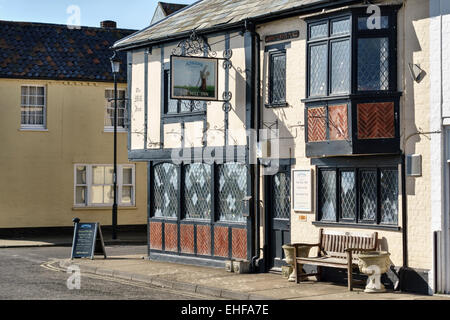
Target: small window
(277, 78)
(121, 110)
(94, 185)
(377, 193)
(33, 107)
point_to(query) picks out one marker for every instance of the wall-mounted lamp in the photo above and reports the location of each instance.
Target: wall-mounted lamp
(415, 71)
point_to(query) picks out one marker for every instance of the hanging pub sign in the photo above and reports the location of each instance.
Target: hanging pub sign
(87, 240)
(194, 78)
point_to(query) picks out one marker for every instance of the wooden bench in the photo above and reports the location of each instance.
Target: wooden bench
(335, 250)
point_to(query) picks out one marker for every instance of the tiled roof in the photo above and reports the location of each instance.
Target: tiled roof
(170, 8)
(50, 51)
(205, 14)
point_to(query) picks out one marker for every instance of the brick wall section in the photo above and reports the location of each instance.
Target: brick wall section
(239, 243)
(187, 238)
(376, 120)
(317, 130)
(203, 240)
(221, 241)
(338, 122)
(156, 235)
(171, 238)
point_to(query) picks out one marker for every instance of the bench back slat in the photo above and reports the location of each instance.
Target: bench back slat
(334, 243)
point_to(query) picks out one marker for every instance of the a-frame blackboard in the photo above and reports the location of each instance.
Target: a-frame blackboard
(87, 241)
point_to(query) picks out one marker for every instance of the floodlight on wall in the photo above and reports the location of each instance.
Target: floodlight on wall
(415, 71)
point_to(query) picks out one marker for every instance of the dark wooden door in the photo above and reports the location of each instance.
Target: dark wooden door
(279, 216)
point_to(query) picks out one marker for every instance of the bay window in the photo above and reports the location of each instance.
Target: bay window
(352, 95)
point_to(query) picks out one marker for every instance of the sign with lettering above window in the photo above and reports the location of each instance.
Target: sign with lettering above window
(282, 36)
(194, 78)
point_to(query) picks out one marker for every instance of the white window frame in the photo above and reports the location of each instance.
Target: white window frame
(42, 126)
(89, 185)
(125, 120)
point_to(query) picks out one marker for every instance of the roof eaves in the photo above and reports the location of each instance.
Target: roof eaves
(262, 18)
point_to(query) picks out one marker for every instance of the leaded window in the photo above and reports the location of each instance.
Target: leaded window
(373, 64)
(282, 195)
(327, 195)
(359, 195)
(165, 190)
(277, 80)
(331, 63)
(232, 190)
(197, 191)
(329, 57)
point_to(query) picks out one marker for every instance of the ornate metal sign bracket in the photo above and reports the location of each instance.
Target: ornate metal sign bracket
(197, 45)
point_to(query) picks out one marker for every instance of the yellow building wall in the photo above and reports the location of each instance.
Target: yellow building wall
(37, 185)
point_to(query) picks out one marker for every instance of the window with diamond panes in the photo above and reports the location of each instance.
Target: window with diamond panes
(348, 195)
(277, 84)
(282, 195)
(232, 190)
(373, 64)
(165, 190)
(340, 67)
(327, 195)
(329, 57)
(389, 196)
(318, 67)
(373, 184)
(368, 195)
(197, 191)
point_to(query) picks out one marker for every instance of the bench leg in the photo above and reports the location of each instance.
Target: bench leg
(350, 278)
(296, 272)
(319, 274)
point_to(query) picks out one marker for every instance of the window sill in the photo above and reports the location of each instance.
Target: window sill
(102, 208)
(33, 130)
(111, 130)
(357, 226)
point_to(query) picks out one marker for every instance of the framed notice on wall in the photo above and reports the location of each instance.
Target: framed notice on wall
(302, 190)
(194, 78)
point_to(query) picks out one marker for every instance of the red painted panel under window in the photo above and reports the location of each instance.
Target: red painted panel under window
(187, 238)
(171, 237)
(221, 241)
(239, 243)
(376, 120)
(156, 235)
(317, 130)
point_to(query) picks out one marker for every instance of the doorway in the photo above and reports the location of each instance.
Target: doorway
(278, 199)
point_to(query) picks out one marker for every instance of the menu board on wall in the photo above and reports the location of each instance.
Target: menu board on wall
(302, 190)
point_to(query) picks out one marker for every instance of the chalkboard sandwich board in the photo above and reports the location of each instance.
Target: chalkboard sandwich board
(87, 240)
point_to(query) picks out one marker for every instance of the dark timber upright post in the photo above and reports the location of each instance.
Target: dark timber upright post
(250, 98)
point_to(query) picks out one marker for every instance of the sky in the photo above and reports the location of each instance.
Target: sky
(129, 14)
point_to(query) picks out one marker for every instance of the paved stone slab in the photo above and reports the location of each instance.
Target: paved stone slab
(218, 283)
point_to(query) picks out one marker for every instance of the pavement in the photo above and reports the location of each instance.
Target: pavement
(125, 238)
(221, 284)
